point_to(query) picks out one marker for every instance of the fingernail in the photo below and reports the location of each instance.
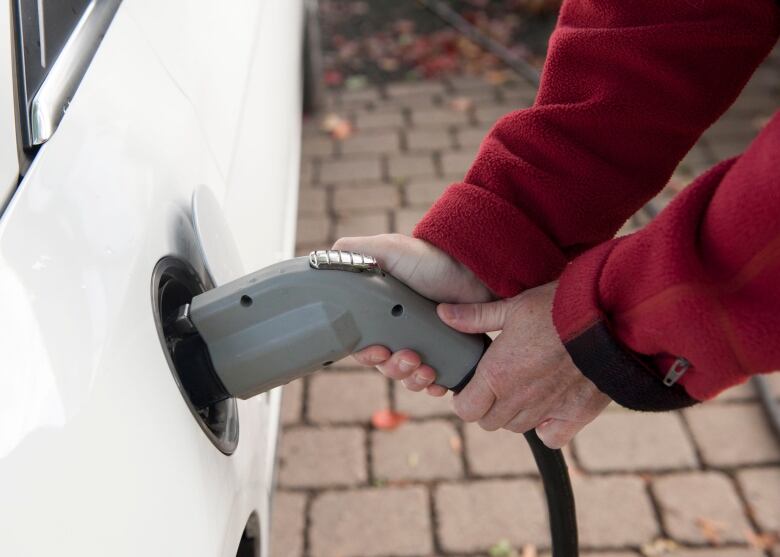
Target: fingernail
(406, 365)
(419, 379)
(449, 311)
(377, 359)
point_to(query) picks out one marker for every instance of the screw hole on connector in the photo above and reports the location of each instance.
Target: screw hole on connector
(246, 301)
(397, 311)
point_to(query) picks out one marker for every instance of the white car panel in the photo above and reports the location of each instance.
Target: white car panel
(99, 454)
(9, 155)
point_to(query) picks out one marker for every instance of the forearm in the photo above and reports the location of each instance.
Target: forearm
(627, 89)
(699, 283)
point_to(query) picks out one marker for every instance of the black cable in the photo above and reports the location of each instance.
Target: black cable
(552, 467)
(560, 497)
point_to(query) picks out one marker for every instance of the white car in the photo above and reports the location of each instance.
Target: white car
(113, 114)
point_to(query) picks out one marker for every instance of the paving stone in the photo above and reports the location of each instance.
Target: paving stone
(350, 199)
(371, 523)
(488, 115)
(733, 434)
(364, 224)
(312, 230)
(377, 142)
(346, 396)
(359, 96)
(516, 100)
(623, 441)
(712, 552)
(457, 162)
(495, 453)
(306, 172)
(408, 166)
(350, 170)
(428, 140)
(287, 526)
(420, 405)
(613, 511)
(318, 145)
(313, 457)
(743, 392)
(439, 117)
(407, 219)
(694, 502)
(417, 451)
(762, 490)
(419, 89)
(470, 139)
(312, 201)
(292, 402)
(475, 516)
(424, 191)
(385, 119)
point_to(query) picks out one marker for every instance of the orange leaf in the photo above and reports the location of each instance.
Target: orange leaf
(711, 530)
(387, 420)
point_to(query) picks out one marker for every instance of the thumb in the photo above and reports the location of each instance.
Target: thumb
(474, 318)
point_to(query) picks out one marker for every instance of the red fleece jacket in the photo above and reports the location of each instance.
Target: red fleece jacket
(627, 89)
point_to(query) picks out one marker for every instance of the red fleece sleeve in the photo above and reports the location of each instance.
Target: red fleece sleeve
(627, 88)
(701, 282)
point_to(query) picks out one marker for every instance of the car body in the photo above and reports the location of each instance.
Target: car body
(100, 453)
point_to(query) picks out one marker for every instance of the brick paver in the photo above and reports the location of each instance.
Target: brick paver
(371, 522)
(477, 515)
(497, 453)
(417, 451)
(761, 487)
(346, 396)
(312, 457)
(733, 435)
(701, 507)
(614, 511)
(437, 487)
(288, 524)
(623, 440)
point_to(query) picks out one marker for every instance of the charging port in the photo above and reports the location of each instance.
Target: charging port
(174, 284)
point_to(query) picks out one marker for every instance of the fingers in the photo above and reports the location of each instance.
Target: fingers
(420, 379)
(475, 400)
(557, 433)
(436, 390)
(474, 318)
(400, 365)
(387, 248)
(371, 356)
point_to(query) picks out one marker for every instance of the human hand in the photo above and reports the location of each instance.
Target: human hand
(429, 271)
(526, 379)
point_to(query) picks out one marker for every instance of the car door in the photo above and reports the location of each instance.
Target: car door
(99, 450)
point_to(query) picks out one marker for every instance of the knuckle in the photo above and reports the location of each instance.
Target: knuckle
(488, 424)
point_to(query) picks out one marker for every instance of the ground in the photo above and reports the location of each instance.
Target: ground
(701, 482)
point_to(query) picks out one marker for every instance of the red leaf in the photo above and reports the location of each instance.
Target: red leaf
(387, 420)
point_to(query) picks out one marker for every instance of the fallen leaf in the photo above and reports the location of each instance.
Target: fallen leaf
(387, 420)
(338, 127)
(333, 78)
(502, 548)
(711, 530)
(356, 82)
(764, 541)
(456, 444)
(658, 547)
(413, 460)
(461, 104)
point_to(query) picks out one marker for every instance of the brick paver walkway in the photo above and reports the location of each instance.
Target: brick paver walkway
(707, 476)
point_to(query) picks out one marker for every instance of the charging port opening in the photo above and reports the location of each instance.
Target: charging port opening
(174, 284)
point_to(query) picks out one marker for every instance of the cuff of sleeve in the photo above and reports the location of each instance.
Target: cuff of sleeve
(500, 244)
(628, 378)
